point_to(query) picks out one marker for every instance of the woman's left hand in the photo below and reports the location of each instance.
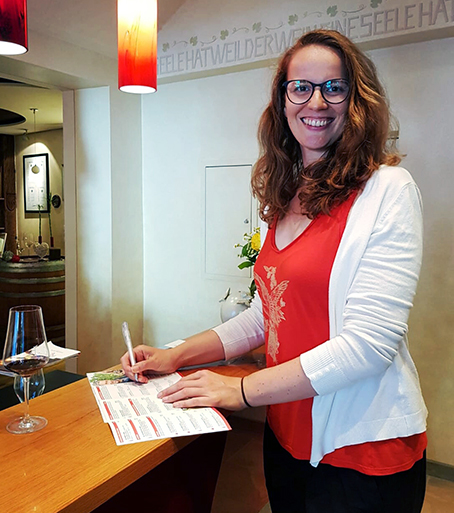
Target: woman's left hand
(205, 388)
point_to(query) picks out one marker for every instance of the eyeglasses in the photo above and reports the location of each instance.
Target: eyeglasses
(333, 91)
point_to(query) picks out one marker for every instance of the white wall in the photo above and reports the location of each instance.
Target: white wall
(50, 142)
(189, 124)
(104, 179)
(417, 78)
(94, 226)
(186, 126)
(127, 218)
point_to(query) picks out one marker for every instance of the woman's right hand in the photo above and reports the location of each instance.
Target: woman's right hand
(160, 361)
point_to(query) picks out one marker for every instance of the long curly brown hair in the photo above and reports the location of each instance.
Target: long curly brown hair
(347, 164)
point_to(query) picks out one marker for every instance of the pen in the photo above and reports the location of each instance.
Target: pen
(127, 339)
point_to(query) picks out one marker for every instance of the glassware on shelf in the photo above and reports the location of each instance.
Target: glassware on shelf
(19, 248)
(25, 244)
(41, 249)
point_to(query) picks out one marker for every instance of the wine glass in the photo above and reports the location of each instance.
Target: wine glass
(26, 245)
(36, 385)
(25, 353)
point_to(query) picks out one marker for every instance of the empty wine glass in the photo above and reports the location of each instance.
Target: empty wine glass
(25, 243)
(36, 385)
(25, 353)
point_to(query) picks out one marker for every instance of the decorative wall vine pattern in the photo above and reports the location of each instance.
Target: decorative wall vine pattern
(316, 13)
(256, 27)
(240, 29)
(213, 39)
(269, 29)
(360, 8)
(331, 11)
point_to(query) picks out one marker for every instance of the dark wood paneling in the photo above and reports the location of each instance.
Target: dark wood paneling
(8, 191)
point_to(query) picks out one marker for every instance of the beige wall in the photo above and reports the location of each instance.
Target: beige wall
(50, 142)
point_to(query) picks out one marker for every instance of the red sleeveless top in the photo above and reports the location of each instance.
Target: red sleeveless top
(293, 285)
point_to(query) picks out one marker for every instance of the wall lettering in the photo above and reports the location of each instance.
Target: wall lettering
(364, 23)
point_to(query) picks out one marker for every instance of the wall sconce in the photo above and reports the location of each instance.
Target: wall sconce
(137, 45)
(13, 27)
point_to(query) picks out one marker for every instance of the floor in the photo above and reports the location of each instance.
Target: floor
(241, 484)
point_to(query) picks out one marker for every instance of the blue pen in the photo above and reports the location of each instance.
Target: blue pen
(127, 339)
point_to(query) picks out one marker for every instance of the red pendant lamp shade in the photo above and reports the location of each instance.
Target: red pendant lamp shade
(137, 45)
(13, 27)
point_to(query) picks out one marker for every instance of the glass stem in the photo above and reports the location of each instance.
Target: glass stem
(26, 398)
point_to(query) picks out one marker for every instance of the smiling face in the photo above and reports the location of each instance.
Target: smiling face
(317, 123)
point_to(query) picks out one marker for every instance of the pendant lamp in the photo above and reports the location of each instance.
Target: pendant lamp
(13, 27)
(35, 168)
(137, 45)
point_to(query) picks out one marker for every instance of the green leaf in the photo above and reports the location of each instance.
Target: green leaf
(244, 265)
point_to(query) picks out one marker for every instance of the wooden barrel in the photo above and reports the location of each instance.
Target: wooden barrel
(34, 283)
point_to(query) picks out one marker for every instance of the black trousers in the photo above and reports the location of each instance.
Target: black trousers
(295, 486)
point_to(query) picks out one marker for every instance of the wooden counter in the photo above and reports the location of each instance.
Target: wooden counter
(74, 465)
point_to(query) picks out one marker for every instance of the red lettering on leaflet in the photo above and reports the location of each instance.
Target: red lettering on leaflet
(100, 393)
(134, 429)
(108, 411)
(118, 431)
(153, 426)
(133, 406)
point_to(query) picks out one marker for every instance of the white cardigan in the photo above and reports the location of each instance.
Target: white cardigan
(366, 381)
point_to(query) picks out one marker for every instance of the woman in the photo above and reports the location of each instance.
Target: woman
(336, 278)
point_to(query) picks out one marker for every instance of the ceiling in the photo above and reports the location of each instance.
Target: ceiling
(90, 24)
(22, 98)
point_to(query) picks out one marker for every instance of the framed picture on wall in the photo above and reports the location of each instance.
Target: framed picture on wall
(36, 183)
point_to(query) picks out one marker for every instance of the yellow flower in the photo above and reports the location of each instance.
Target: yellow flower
(255, 241)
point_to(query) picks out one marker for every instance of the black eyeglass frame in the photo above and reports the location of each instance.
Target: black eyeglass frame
(286, 83)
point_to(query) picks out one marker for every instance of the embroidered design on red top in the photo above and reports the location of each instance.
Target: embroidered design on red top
(272, 301)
